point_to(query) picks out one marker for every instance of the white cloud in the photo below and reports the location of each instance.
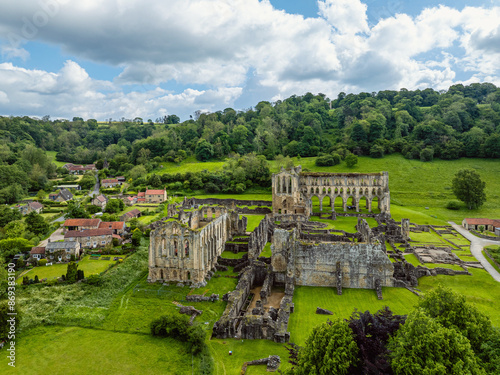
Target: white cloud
(234, 49)
(347, 16)
(71, 92)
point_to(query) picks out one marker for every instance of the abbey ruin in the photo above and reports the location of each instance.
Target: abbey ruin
(294, 190)
(186, 246)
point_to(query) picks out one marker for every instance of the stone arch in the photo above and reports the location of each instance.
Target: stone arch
(315, 204)
(186, 248)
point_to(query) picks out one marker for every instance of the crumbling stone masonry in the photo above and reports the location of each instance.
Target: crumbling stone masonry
(293, 190)
(186, 250)
(317, 264)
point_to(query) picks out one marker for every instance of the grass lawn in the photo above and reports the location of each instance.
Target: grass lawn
(231, 255)
(347, 224)
(89, 267)
(74, 350)
(491, 261)
(253, 221)
(428, 237)
(266, 252)
(244, 351)
(307, 298)
(411, 258)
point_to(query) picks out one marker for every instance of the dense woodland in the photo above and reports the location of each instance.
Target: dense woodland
(422, 124)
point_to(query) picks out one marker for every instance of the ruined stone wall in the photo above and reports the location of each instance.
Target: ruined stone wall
(258, 239)
(180, 253)
(312, 264)
(293, 190)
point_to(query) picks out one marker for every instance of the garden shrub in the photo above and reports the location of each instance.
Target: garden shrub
(42, 262)
(177, 326)
(453, 205)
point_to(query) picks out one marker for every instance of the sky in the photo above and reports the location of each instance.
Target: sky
(150, 58)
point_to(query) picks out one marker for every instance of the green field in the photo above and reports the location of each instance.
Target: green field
(89, 267)
(81, 351)
(52, 157)
(307, 298)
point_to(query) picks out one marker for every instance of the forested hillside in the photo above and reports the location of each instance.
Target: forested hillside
(422, 124)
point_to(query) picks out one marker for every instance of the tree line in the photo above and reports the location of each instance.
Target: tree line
(462, 121)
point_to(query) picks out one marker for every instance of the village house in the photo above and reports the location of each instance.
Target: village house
(62, 251)
(91, 238)
(110, 182)
(31, 207)
(68, 187)
(130, 201)
(62, 195)
(81, 224)
(156, 196)
(37, 253)
(100, 201)
(121, 179)
(130, 215)
(118, 227)
(488, 224)
(79, 169)
(141, 197)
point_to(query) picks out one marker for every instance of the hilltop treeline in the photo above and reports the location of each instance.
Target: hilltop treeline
(420, 124)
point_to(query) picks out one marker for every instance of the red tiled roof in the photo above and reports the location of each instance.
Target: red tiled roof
(110, 181)
(114, 225)
(88, 233)
(82, 222)
(37, 250)
(135, 212)
(35, 205)
(116, 236)
(141, 194)
(101, 198)
(475, 221)
(155, 192)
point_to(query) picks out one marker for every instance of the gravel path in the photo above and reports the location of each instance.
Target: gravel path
(476, 248)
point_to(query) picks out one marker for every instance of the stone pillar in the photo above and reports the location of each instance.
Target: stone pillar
(338, 273)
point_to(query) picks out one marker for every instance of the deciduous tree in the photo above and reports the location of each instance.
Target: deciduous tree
(469, 188)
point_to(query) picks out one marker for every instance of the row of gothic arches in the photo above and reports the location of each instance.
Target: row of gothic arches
(344, 203)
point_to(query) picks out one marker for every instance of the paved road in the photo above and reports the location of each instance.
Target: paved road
(56, 236)
(95, 190)
(476, 248)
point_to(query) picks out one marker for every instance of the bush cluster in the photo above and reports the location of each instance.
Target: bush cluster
(177, 327)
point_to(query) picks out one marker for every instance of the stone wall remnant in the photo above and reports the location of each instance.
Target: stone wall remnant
(186, 250)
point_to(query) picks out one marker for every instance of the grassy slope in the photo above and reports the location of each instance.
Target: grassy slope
(414, 185)
(74, 350)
